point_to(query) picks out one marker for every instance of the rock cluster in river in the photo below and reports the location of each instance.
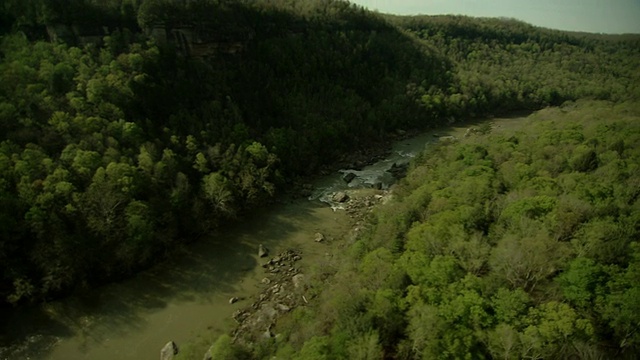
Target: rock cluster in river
(284, 290)
(359, 208)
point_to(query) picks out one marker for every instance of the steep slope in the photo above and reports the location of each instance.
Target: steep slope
(116, 151)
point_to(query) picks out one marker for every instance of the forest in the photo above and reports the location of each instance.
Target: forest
(115, 152)
(131, 128)
(520, 245)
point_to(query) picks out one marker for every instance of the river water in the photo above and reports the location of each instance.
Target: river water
(188, 295)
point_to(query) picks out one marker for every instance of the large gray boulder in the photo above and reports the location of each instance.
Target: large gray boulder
(298, 281)
(447, 139)
(340, 197)
(262, 251)
(169, 351)
(348, 177)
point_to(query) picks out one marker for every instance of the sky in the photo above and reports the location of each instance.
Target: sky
(597, 16)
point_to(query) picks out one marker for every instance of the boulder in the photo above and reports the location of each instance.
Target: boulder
(470, 131)
(233, 300)
(340, 197)
(318, 237)
(262, 251)
(297, 280)
(268, 334)
(398, 171)
(447, 138)
(348, 177)
(169, 351)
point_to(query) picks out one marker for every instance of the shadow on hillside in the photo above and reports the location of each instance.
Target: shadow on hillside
(207, 272)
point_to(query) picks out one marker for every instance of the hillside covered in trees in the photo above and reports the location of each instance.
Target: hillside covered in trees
(515, 245)
(131, 127)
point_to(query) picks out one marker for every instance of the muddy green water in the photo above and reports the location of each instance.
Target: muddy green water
(178, 299)
(188, 295)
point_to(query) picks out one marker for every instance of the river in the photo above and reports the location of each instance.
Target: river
(188, 295)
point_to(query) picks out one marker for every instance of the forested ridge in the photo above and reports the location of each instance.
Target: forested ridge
(120, 144)
(514, 245)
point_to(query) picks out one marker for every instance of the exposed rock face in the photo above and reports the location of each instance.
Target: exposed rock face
(348, 177)
(169, 351)
(340, 197)
(191, 40)
(263, 251)
(76, 34)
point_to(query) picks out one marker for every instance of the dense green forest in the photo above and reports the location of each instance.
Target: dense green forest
(517, 245)
(118, 151)
(132, 127)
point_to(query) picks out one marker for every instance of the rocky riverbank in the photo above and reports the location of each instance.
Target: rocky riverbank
(355, 160)
(287, 282)
(285, 285)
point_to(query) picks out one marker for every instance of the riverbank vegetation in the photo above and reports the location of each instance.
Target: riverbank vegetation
(131, 128)
(515, 245)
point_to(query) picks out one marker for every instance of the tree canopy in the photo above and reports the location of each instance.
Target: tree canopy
(494, 247)
(130, 127)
